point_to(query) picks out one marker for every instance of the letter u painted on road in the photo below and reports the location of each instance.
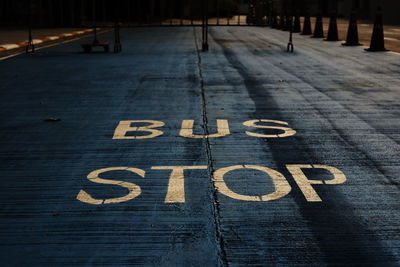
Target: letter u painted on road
(187, 129)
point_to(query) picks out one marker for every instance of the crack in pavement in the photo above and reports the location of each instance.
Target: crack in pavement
(210, 167)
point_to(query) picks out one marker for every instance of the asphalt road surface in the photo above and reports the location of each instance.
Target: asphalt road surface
(166, 156)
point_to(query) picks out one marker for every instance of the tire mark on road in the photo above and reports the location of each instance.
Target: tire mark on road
(369, 160)
(340, 235)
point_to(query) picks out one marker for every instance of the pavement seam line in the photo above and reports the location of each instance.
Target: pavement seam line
(210, 167)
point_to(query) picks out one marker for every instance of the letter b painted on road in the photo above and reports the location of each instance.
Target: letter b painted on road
(125, 127)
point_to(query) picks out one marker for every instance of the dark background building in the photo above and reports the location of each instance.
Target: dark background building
(78, 12)
(64, 13)
(366, 8)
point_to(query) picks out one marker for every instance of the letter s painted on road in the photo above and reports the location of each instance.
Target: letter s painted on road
(134, 190)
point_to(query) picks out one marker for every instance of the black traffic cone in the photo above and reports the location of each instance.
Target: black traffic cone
(319, 27)
(282, 22)
(352, 31)
(333, 34)
(274, 21)
(297, 23)
(288, 24)
(377, 40)
(307, 26)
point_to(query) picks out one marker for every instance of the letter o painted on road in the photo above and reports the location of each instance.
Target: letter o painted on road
(282, 187)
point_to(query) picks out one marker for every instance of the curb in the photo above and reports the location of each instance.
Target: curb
(7, 48)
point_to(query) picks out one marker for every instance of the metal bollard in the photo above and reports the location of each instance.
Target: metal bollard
(290, 46)
(30, 46)
(117, 43)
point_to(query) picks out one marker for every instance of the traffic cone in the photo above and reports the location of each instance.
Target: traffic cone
(297, 24)
(288, 24)
(319, 28)
(307, 26)
(333, 34)
(117, 43)
(352, 32)
(282, 22)
(377, 40)
(274, 21)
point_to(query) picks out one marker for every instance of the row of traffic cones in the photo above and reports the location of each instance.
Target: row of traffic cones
(377, 40)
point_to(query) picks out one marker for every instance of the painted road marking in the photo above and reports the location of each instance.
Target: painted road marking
(176, 185)
(125, 127)
(134, 190)
(286, 131)
(187, 129)
(66, 34)
(52, 38)
(305, 184)
(10, 46)
(282, 187)
(37, 41)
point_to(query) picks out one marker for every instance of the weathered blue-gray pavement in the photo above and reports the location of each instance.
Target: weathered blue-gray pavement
(166, 156)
